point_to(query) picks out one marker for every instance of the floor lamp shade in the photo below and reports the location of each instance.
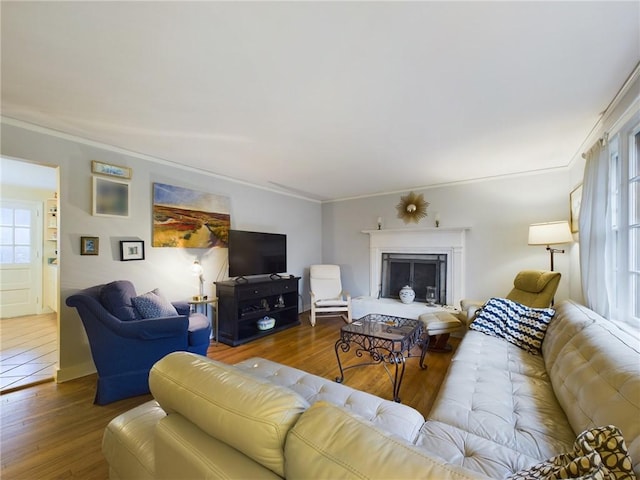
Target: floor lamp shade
(550, 233)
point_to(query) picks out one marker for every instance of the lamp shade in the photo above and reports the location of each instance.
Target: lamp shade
(550, 233)
(196, 268)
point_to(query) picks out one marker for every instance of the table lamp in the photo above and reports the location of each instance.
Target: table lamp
(196, 268)
(550, 233)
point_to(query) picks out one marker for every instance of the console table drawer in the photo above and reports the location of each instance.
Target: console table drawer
(253, 291)
(285, 286)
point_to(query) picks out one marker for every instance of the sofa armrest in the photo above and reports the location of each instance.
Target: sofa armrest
(249, 414)
(469, 309)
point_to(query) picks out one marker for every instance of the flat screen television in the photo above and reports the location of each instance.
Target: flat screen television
(256, 253)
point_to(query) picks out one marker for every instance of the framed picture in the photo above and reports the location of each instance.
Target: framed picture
(575, 197)
(131, 250)
(110, 197)
(89, 245)
(113, 170)
(186, 218)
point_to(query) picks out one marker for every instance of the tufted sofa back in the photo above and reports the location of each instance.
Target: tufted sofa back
(594, 368)
(399, 419)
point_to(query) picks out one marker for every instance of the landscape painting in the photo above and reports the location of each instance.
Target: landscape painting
(186, 218)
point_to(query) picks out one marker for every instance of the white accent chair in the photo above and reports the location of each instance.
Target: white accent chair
(327, 296)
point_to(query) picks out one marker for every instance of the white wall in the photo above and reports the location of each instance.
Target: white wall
(166, 268)
(498, 212)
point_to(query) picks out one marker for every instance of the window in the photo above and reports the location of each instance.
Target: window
(624, 195)
(15, 235)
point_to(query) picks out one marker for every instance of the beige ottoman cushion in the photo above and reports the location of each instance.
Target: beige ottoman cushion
(440, 322)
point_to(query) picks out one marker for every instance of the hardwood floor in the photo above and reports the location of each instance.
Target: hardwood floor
(28, 350)
(54, 431)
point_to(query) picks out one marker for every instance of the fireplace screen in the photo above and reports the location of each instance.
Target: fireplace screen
(417, 270)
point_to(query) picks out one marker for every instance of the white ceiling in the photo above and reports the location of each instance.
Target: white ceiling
(330, 99)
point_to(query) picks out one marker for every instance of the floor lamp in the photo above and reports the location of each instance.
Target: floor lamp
(550, 233)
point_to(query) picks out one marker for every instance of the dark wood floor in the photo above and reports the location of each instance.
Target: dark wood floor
(54, 431)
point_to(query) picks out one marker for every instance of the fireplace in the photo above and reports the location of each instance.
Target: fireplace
(442, 247)
(419, 271)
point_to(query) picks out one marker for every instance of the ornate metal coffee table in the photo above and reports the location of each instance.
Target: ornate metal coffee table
(386, 339)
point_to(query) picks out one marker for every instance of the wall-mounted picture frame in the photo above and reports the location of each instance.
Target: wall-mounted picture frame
(110, 197)
(131, 250)
(102, 168)
(575, 198)
(89, 245)
(186, 218)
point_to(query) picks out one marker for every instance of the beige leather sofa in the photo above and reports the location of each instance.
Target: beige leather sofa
(499, 410)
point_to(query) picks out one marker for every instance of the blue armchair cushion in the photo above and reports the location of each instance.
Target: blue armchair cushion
(153, 305)
(116, 298)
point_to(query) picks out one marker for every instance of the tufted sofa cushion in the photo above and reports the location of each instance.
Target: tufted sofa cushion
(497, 391)
(501, 408)
(394, 417)
(476, 453)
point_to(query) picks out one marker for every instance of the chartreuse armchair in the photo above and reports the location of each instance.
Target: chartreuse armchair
(533, 288)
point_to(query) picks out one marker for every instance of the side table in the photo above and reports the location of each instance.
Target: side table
(208, 305)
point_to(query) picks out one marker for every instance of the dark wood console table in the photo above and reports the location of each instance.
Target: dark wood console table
(241, 304)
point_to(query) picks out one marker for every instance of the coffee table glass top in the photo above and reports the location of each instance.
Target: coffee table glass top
(383, 326)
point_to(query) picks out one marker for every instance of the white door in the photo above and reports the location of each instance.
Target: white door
(20, 258)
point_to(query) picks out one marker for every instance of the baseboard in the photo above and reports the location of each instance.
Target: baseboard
(76, 371)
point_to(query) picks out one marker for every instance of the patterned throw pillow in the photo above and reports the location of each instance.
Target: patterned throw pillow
(518, 324)
(153, 305)
(489, 319)
(598, 454)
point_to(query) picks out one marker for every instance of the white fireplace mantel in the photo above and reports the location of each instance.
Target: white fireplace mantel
(436, 240)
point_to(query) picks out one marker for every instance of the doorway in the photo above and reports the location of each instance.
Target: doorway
(21, 266)
(28, 289)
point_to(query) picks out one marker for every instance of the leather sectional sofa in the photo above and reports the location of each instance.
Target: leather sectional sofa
(500, 410)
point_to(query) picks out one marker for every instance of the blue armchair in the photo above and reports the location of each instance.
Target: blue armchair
(125, 346)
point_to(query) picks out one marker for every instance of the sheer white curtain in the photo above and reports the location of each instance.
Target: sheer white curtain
(596, 265)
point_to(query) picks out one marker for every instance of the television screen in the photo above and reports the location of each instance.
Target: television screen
(256, 253)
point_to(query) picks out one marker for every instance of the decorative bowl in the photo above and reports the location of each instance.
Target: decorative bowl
(266, 323)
